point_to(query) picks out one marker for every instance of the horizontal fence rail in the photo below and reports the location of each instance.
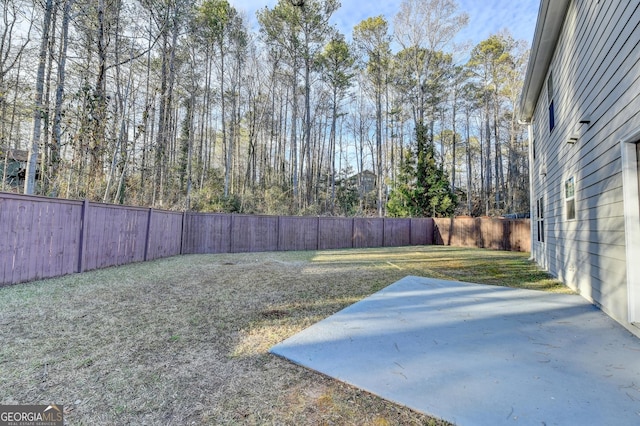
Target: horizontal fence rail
(43, 237)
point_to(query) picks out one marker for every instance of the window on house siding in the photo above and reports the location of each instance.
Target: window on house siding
(570, 198)
(540, 219)
(550, 96)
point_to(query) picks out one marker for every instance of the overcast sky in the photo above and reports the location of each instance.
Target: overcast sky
(486, 17)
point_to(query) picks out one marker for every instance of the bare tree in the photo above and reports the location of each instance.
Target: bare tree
(38, 110)
(371, 37)
(160, 102)
(12, 46)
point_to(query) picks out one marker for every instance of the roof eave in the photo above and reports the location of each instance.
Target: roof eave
(548, 27)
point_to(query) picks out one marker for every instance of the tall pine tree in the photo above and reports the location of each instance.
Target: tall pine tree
(423, 188)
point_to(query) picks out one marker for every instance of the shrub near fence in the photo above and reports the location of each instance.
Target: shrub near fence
(46, 237)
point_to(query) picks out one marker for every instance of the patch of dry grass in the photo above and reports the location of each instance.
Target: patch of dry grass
(184, 340)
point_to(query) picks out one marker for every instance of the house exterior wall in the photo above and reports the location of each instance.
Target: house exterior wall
(596, 78)
(13, 163)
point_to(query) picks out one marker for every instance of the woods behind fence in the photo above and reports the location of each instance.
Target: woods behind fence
(46, 237)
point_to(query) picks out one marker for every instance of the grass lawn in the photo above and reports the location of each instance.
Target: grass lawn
(184, 340)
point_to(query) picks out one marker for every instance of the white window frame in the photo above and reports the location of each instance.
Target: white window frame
(540, 219)
(570, 199)
(631, 200)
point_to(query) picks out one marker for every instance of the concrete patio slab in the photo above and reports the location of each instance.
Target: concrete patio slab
(480, 355)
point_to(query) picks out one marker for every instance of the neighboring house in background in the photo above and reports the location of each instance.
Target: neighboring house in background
(365, 181)
(13, 166)
(581, 98)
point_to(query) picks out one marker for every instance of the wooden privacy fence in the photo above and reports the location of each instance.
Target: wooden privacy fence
(44, 237)
(224, 233)
(485, 232)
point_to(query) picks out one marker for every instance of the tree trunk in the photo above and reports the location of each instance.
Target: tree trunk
(487, 146)
(162, 119)
(294, 136)
(61, 74)
(45, 169)
(227, 143)
(332, 150)
(379, 174)
(32, 162)
(500, 186)
(453, 143)
(99, 106)
(469, 180)
(166, 121)
(307, 130)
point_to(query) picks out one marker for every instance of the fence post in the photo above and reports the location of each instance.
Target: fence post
(83, 235)
(148, 236)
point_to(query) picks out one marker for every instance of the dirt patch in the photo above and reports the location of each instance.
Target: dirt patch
(185, 340)
(274, 314)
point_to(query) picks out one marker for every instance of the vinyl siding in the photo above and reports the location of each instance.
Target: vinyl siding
(596, 75)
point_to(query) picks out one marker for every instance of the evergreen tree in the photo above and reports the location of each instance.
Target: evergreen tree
(422, 189)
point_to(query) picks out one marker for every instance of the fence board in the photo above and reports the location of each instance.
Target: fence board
(254, 233)
(297, 233)
(30, 247)
(421, 231)
(69, 234)
(335, 233)
(368, 232)
(94, 231)
(491, 233)
(207, 233)
(397, 232)
(26, 236)
(59, 244)
(14, 231)
(6, 248)
(190, 242)
(219, 238)
(115, 235)
(165, 234)
(519, 235)
(38, 237)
